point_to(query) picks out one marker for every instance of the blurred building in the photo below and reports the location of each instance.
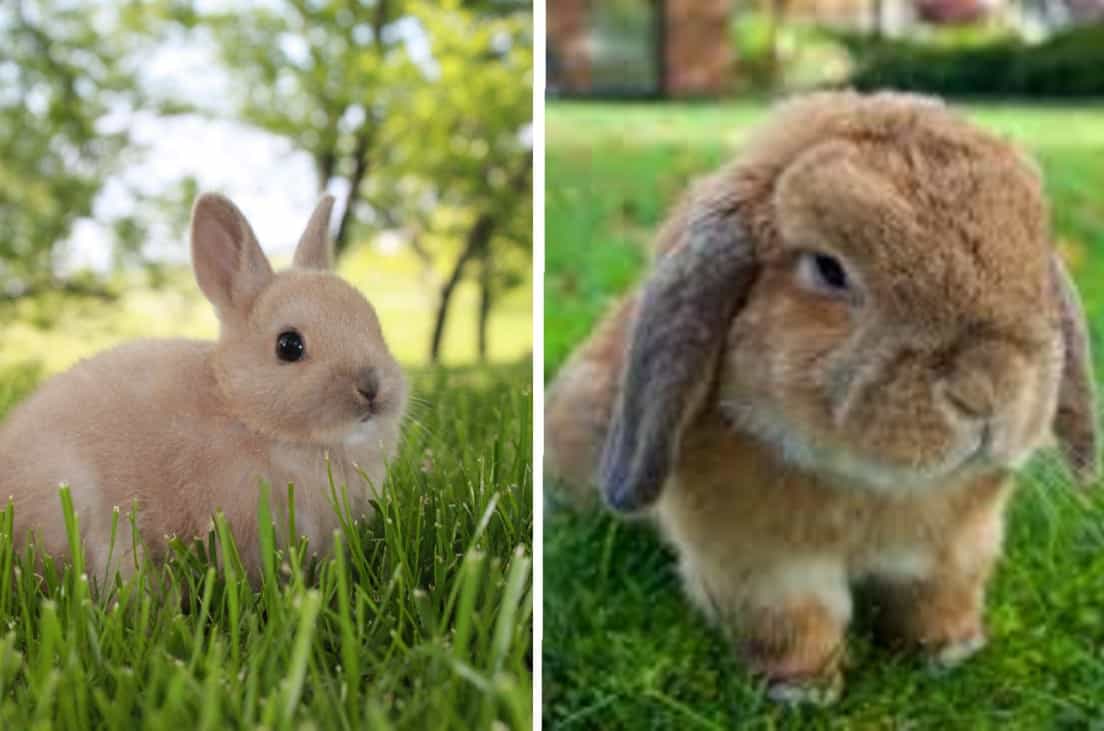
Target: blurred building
(638, 48)
(891, 17)
(896, 18)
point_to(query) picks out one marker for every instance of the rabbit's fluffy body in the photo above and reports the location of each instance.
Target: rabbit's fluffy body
(181, 428)
(766, 547)
(791, 436)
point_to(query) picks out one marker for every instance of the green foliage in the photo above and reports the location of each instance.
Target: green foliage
(622, 59)
(419, 108)
(773, 55)
(16, 381)
(461, 141)
(422, 618)
(462, 160)
(321, 74)
(622, 647)
(60, 75)
(1066, 65)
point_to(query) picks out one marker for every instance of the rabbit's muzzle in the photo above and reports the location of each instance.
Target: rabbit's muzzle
(996, 396)
(367, 389)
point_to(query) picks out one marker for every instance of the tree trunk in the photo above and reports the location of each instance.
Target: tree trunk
(478, 238)
(360, 169)
(325, 160)
(365, 136)
(484, 300)
(383, 11)
(325, 164)
(477, 244)
(876, 18)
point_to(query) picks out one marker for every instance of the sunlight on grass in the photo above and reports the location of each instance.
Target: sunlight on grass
(59, 331)
(598, 125)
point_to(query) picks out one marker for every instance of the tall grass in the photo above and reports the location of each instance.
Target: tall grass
(419, 618)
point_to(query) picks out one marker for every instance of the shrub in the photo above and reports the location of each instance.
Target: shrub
(1069, 64)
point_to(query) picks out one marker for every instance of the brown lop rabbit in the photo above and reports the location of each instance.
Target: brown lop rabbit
(850, 339)
(185, 428)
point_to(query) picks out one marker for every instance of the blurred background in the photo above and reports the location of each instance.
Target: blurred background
(113, 115)
(646, 95)
(695, 48)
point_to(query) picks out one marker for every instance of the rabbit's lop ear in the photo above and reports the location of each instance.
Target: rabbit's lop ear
(1075, 420)
(315, 250)
(688, 302)
(229, 265)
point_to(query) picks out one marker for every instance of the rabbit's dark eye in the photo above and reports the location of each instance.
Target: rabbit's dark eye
(289, 346)
(823, 273)
(830, 271)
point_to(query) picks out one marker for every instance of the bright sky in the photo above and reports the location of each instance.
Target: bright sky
(272, 183)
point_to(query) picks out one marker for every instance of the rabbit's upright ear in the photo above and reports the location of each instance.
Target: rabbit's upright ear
(315, 250)
(694, 291)
(229, 265)
(1075, 420)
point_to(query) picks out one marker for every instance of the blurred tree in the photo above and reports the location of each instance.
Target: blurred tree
(877, 15)
(417, 109)
(468, 154)
(775, 11)
(60, 77)
(318, 73)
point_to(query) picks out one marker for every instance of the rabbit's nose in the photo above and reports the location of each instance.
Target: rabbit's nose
(367, 384)
(972, 395)
(986, 375)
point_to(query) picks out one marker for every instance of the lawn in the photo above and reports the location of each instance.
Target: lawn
(622, 648)
(422, 619)
(57, 330)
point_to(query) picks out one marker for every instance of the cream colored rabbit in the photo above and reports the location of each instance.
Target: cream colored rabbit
(185, 428)
(849, 340)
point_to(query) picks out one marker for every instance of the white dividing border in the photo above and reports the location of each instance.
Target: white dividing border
(539, 57)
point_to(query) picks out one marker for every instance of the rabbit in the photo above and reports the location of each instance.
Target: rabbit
(850, 339)
(300, 379)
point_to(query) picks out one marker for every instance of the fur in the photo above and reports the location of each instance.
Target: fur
(791, 439)
(181, 429)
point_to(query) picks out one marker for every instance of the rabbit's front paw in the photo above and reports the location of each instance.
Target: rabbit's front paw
(954, 653)
(799, 649)
(821, 691)
(942, 618)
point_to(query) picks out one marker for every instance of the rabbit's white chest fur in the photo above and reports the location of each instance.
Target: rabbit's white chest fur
(123, 428)
(752, 531)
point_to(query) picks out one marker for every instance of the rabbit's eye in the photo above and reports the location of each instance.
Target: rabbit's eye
(289, 346)
(830, 271)
(823, 272)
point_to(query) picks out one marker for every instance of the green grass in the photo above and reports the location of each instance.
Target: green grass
(421, 619)
(622, 648)
(59, 330)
